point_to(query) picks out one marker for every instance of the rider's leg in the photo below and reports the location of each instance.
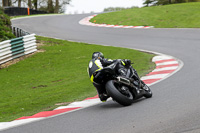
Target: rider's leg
(101, 92)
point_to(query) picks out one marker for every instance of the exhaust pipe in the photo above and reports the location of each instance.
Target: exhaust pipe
(124, 81)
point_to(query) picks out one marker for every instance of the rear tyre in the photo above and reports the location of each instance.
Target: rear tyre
(113, 90)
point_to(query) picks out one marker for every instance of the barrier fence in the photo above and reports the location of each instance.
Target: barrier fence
(19, 32)
(15, 11)
(17, 47)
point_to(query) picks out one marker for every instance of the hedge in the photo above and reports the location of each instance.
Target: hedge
(5, 27)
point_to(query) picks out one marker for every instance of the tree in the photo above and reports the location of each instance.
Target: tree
(19, 3)
(57, 6)
(165, 2)
(148, 2)
(50, 7)
(62, 4)
(29, 4)
(35, 3)
(5, 3)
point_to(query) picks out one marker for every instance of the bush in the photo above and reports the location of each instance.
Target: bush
(5, 27)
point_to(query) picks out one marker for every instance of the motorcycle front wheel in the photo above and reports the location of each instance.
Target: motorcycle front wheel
(114, 90)
(148, 92)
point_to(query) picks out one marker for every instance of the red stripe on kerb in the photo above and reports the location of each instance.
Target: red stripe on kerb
(149, 81)
(162, 66)
(160, 72)
(134, 26)
(161, 61)
(95, 97)
(146, 27)
(48, 113)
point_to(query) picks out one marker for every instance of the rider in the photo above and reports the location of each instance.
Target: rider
(97, 63)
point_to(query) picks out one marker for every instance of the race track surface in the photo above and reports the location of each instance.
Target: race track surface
(175, 106)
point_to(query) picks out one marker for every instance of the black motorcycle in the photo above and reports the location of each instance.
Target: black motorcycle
(123, 90)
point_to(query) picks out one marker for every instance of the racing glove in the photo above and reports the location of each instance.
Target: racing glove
(127, 62)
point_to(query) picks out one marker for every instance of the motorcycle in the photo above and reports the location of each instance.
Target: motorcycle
(124, 90)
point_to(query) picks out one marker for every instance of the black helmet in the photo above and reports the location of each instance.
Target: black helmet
(96, 55)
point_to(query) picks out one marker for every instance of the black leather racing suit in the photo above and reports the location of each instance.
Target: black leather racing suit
(98, 64)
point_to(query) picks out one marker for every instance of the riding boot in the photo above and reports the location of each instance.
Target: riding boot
(103, 97)
(101, 92)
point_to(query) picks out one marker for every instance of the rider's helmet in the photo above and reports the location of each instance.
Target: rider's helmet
(97, 55)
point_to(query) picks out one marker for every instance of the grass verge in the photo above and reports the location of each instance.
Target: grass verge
(185, 15)
(56, 75)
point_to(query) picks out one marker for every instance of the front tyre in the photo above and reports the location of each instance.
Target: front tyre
(113, 90)
(148, 91)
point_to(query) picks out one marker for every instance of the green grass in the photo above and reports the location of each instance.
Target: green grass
(57, 75)
(185, 15)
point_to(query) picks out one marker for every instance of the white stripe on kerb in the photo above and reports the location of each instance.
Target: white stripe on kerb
(159, 58)
(157, 76)
(167, 63)
(82, 104)
(5, 125)
(165, 68)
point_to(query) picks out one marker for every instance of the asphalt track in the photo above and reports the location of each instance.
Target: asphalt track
(175, 106)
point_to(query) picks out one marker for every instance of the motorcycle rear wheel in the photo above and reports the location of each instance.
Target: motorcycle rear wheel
(113, 90)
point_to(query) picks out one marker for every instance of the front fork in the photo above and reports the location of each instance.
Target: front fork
(137, 81)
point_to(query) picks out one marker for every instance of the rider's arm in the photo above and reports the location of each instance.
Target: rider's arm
(106, 62)
(126, 62)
